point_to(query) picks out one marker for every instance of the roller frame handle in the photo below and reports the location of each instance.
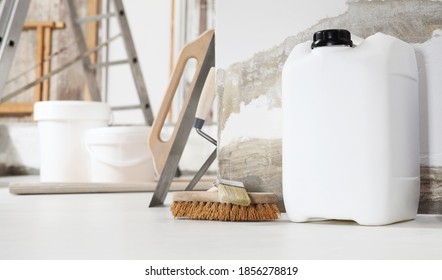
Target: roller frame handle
(206, 100)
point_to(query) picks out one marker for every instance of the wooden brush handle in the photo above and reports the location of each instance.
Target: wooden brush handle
(255, 197)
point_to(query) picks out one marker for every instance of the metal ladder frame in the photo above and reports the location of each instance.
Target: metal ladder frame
(12, 19)
(132, 59)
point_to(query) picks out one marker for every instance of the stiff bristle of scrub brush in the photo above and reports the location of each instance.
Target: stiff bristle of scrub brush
(200, 205)
(233, 192)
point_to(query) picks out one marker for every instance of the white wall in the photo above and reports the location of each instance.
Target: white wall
(149, 21)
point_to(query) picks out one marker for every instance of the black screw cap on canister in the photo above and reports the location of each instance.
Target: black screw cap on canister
(332, 37)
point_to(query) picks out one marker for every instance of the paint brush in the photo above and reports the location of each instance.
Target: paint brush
(233, 192)
(229, 191)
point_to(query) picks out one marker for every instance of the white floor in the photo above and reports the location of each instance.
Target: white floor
(121, 226)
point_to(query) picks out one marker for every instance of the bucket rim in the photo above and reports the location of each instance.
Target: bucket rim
(117, 135)
(71, 110)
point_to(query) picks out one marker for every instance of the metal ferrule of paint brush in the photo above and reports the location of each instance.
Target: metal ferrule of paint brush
(205, 104)
(232, 183)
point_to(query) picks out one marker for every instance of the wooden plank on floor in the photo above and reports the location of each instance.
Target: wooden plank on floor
(65, 188)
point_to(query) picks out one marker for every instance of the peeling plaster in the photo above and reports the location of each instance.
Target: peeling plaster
(410, 20)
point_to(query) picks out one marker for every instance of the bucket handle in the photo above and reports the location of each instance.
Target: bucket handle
(117, 163)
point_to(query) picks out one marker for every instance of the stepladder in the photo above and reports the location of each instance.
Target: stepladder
(12, 17)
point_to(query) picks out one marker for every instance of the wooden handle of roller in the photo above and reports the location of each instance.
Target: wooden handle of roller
(255, 197)
(207, 96)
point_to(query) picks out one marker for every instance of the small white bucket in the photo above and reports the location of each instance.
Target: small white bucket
(61, 125)
(120, 154)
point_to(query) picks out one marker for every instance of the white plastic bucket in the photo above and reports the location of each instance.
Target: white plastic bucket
(61, 125)
(120, 154)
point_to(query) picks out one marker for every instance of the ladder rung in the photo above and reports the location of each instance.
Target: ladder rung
(117, 62)
(129, 107)
(95, 18)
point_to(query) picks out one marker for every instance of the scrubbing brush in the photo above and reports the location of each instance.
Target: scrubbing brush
(200, 205)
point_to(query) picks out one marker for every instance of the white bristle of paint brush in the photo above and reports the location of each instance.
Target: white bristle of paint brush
(233, 192)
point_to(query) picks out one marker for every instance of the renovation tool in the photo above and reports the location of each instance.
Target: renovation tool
(204, 105)
(167, 154)
(200, 205)
(74, 188)
(229, 191)
(234, 192)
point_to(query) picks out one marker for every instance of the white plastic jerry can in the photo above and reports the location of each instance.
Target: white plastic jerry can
(351, 130)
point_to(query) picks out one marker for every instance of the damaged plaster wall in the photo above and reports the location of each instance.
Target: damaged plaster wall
(250, 90)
